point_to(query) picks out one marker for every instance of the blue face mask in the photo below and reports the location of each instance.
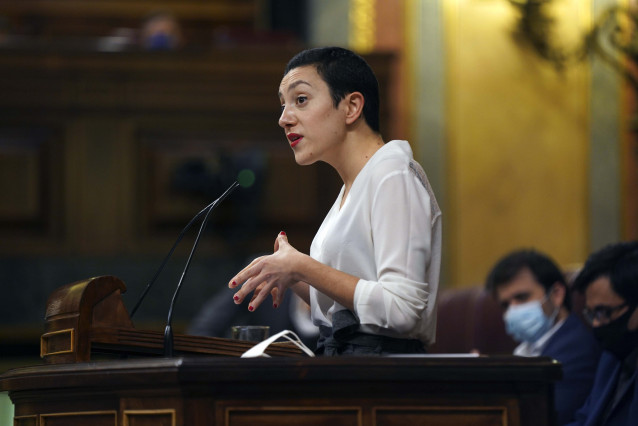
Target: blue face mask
(161, 41)
(527, 322)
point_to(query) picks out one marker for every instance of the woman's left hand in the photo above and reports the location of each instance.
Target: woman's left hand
(272, 274)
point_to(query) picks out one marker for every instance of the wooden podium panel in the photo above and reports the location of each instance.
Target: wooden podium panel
(89, 316)
(436, 391)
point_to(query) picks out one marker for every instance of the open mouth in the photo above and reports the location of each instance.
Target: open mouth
(294, 139)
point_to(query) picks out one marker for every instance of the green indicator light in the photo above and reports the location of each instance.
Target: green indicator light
(246, 178)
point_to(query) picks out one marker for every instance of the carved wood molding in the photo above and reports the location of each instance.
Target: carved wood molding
(227, 11)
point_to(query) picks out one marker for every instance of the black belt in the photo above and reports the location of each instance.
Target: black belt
(344, 338)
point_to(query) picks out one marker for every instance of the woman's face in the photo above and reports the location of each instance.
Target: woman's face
(314, 127)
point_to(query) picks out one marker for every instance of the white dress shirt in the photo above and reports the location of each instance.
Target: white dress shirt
(387, 233)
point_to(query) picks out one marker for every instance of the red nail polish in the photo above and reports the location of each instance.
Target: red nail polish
(234, 284)
(275, 305)
(236, 297)
(282, 233)
(250, 308)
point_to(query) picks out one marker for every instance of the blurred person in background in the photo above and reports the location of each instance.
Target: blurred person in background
(609, 281)
(535, 298)
(161, 31)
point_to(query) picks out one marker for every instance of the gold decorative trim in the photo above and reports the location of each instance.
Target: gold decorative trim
(261, 409)
(44, 340)
(17, 419)
(362, 25)
(496, 408)
(127, 413)
(113, 413)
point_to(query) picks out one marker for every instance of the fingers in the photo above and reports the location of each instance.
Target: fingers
(280, 237)
(258, 297)
(259, 285)
(250, 269)
(259, 294)
(255, 301)
(251, 304)
(257, 281)
(245, 273)
(253, 284)
(275, 297)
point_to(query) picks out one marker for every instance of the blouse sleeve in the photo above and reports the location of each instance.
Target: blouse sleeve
(404, 222)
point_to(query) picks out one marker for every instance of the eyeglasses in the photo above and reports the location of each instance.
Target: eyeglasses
(602, 314)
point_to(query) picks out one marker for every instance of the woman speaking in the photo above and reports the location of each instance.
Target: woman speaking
(372, 275)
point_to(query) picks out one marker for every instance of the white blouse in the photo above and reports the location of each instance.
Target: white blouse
(387, 233)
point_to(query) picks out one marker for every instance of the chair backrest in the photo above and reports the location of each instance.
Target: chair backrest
(469, 319)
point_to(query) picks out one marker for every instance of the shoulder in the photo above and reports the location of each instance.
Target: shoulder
(573, 324)
(573, 337)
(393, 175)
(393, 153)
(608, 366)
(394, 159)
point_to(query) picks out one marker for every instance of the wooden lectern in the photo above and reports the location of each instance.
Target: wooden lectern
(209, 385)
(89, 317)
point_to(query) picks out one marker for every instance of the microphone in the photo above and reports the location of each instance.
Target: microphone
(168, 332)
(208, 208)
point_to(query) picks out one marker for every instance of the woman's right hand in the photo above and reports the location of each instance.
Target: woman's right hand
(272, 274)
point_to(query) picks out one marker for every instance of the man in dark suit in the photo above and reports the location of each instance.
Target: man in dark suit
(534, 296)
(609, 280)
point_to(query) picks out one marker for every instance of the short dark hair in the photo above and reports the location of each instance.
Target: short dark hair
(619, 263)
(344, 72)
(542, 267)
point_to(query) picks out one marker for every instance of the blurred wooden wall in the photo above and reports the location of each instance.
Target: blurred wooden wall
(75, 19)
(111, 152)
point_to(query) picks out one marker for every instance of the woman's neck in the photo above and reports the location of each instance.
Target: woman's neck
(356, 152)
